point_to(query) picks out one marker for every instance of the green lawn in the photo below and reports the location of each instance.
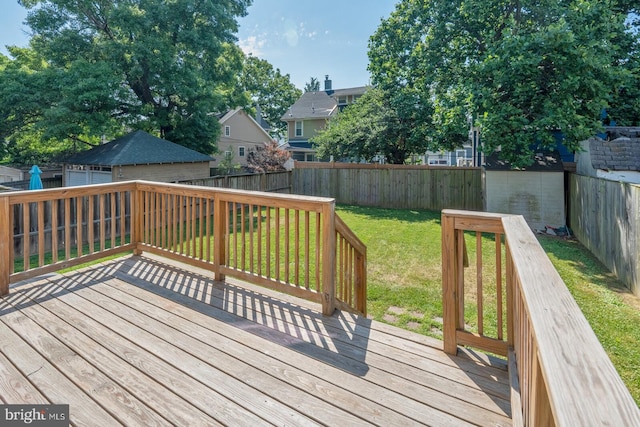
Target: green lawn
(404, 272)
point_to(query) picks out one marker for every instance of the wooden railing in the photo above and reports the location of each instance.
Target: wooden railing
(560, 373)
(284, 242)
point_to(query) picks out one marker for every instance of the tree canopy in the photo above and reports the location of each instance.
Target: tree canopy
(517, 69)
(313, 85)
(99, 67)
(269, 89)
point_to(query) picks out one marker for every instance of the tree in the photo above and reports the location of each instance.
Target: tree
(269, 89)
(518, 69)
(100, 67)
(313, 85)
(268, 158)
(381, 124)
(227, 165)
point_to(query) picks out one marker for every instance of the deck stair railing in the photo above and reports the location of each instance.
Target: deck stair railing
(293, 244)
(560, 373)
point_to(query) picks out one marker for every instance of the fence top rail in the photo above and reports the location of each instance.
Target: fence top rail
(583, 386)
(17, 197)
(339, 165)
(291, 201)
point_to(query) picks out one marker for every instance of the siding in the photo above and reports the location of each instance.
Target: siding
(162, 173)
(538, 196)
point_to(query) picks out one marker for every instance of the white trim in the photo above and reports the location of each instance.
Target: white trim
(227, 131)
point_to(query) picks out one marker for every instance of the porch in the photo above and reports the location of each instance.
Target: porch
(147, 341)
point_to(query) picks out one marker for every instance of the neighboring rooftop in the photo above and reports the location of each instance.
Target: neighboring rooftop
(137, 148)
(312, 104)
(620, 154)
(543, 162)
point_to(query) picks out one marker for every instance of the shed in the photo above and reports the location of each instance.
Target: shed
(535, 192)
(137, 155)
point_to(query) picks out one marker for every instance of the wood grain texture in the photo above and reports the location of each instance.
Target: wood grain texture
(582, 384)
(193, 351)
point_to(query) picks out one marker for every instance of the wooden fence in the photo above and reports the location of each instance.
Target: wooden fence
(605, 217)
(391, 186)
(560, 374)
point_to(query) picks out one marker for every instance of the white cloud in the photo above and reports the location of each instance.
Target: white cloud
(252, 45)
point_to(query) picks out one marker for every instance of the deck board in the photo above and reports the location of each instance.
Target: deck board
(147, 341)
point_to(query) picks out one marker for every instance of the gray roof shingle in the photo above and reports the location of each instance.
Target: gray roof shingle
(312, 105)
(621, 154)
(137, 148)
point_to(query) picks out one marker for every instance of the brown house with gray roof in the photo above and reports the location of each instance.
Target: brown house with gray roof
(137, 155)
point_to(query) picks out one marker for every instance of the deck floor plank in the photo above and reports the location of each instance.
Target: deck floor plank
(386, 357)
(57, 388)
(180, 348)
(162, 344)
(84, 336)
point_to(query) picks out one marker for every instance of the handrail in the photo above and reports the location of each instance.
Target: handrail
(565, 377)
(285, 242)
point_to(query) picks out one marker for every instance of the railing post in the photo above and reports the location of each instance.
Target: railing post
(137, 214)
(449, 284)
(361, 283)
(328, 259)
(6, 245)
(220, 212)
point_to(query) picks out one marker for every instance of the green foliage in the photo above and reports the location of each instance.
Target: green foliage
(516, 69)
(313, 85)
(391, 125)
(98, 68)
(269, 89)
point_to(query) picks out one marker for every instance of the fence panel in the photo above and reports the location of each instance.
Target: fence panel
(391, 186)
(605, 217)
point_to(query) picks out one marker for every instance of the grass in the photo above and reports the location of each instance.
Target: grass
(404, 271)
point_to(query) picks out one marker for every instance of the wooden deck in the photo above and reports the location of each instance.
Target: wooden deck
(147, 341)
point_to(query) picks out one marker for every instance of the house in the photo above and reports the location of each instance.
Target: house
(137, 155)
(536, 192)
(240, 134)
(310, 114)
(616, 157)
(9, 174)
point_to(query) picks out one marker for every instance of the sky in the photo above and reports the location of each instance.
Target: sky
(303, 38)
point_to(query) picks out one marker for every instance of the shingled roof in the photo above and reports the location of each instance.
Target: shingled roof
(312, 105)
(548, 161)
(621, 154)
(137, 148)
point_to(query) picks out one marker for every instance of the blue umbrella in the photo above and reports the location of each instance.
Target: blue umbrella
(35, 183)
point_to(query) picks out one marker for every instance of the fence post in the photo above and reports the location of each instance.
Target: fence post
(449, 285)
(220, 211)
(6, 245)
(328, 259)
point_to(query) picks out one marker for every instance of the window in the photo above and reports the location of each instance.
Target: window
(227, 155)
(227, 131)
(342, 100)
(241, 151)
(299, 128)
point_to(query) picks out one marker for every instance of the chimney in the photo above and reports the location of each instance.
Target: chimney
(327, 82)
(258, 114)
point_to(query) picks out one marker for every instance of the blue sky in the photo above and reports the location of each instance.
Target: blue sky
(303, 38)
